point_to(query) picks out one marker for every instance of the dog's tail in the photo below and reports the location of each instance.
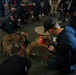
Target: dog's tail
(1, 46)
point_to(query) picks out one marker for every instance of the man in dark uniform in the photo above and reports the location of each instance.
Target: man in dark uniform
(15, 65)
(9, 23)
(23, 13)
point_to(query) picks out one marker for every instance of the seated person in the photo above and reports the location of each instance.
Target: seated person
(23, 13)
(9, 23)
(64, 48)
(15, 65)
(12, 10)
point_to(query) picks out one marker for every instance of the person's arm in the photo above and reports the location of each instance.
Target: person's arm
(62, 52)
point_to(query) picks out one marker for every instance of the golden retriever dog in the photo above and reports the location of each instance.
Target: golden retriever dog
(40, 41)
(9, 40)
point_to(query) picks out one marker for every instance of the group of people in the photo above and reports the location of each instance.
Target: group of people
(14, 17)
(64, 48)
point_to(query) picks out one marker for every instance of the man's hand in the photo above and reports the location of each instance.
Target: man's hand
(51, 48)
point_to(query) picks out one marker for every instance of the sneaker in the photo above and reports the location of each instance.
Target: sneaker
(59, 21)
(66, 19)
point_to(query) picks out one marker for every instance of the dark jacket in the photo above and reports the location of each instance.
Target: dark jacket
(66, 46)
(8, 25)
(23, 12)
(15, 65)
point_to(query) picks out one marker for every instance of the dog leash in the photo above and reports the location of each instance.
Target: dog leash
(43, 54)
(22, 48)
(22, 45)
(43, 50)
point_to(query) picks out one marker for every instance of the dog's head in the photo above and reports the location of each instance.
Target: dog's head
(46, 40)
(24, 37)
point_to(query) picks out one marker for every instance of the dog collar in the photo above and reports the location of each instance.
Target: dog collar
(41, 40)
(24, 34)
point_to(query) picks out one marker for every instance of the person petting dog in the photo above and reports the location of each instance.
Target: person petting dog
(64, 49)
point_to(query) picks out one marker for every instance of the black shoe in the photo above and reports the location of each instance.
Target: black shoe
(38, 20)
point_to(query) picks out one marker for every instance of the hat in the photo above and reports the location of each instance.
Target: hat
(49, 23)
(40, 30)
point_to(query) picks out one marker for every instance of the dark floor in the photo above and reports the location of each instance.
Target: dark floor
(38, 67)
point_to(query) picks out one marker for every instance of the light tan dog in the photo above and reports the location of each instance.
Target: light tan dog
(9, 40)
(40, 41)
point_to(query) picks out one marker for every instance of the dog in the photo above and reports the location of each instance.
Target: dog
(40, 41)
(9, 40)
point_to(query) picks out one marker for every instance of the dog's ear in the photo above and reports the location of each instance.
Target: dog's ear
(46, 37)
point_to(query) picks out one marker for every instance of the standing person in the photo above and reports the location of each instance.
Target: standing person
(2, 10)
(63, 6)
(64, 48)
(46, 7)
(61, 11)
(15, 65)
(54, 4)
(6, 6)
(72, 12)
(36, 9)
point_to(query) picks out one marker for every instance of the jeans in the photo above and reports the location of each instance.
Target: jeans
(53, 63)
